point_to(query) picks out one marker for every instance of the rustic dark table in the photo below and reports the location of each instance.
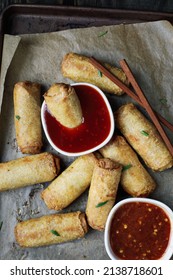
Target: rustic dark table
(144, 5)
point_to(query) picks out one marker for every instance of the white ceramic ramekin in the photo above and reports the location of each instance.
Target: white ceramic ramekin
(169, 250)
(106, 140)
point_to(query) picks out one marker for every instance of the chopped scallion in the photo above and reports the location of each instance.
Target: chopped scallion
(100, 73)
(126, 167)
(103, 33)
(18, 117)
(163, 101)
(54, 232)
(143, 132)
(101, 204)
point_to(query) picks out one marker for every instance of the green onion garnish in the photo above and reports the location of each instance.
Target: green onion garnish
(143, 132)
(126, 167)
(163, 101)
(17, 117)
(100, 73)
(54, 232)
(101, 204)
(103, 33)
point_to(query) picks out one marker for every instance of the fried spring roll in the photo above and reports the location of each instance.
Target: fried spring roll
(51, 229)
(28, 170)
(63, 103)
(70, 184)
(27, 117)
(134, 179)
(79, 69)
(102, 192)
(143, 137)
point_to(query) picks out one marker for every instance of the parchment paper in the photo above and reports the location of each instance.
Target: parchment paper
(147, 47)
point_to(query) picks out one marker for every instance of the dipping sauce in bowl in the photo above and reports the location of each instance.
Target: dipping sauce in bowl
(139, 229)
(95, 131)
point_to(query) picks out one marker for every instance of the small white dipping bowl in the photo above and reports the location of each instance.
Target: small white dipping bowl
(169, 250)
(106, 140)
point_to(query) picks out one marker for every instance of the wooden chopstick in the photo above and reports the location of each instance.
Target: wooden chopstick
(146, 104)
(125, 88)
(137, 89)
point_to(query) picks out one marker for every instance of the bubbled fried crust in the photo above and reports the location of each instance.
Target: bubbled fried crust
(64, 104)
(79, 69)
(27, 120)
(135, 180)
(40, 231)
(132, 124)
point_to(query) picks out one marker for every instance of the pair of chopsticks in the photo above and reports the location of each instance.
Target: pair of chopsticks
(139, 97)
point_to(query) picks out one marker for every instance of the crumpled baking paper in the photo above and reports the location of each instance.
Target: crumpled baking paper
(147, 47)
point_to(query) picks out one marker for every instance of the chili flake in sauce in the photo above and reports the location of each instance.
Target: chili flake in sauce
(139, 231)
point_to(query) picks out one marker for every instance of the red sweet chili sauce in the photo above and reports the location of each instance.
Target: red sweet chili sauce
(94, 129)
(139, 231)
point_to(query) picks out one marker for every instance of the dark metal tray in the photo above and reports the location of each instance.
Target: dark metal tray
(19, 19)
(27, 19)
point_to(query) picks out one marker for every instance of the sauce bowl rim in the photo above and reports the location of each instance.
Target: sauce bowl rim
(107, 139)
(169, 250)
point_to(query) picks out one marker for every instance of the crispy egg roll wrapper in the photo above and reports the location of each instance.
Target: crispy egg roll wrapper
(63, 103)
(70, 184)
(27, 117)
(143, 137)
(79, 69)
(134, 179)
(51, 229)
(28, 170)
(102, 192)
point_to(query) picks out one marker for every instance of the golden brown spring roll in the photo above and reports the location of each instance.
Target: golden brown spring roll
(27, 117)
(28, 170)
(102, 192)
(134, 179)
(63, 103)
(51, 229)
(70, 184)
(143, 137)
(79, 69)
